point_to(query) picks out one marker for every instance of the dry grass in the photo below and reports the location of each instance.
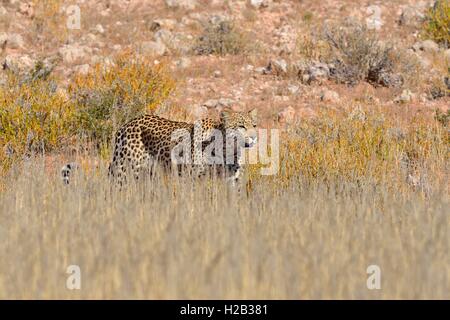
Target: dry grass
(178, 238)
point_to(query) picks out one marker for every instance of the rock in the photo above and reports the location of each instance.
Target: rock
(26, 9)
(99, 28)
(106, 12)
(259, 3)
(426, 45)
(82, 69)
(411, 15)
(217, 74)
(312, 71)
(406, 96)
(226, 102)
(15, 41)
(168, 24)
(183, 63)
(373, 20)
(212, 103)
(164, 36)
(287, 115)
(261, 70)
(153, 48)
(219, 103)
(184, 4)
(278, 66)
(71, 53)
(18, 62)
(293, 89)
(286, 38)
(329, 96)
(3, 11)
(248, 68)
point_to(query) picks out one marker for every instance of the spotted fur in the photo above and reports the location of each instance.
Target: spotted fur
(149, 140)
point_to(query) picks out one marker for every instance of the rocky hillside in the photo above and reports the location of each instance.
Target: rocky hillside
(289, 58)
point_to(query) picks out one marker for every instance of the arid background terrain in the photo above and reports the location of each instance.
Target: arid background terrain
(359, 92)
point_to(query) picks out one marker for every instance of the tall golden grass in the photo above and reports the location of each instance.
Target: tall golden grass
(173, 237)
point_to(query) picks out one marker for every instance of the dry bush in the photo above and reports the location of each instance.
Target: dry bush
(363, 147)
(220, 38)
(107, 97)
(37, 117)
(358, 55)
(49, 24)
(437, 23)
(34, 116)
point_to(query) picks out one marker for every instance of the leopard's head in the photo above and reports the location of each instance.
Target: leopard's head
(242, 125)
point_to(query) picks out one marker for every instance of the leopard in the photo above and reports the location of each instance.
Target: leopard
(207, 145)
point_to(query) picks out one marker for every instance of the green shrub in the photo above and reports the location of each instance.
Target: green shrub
(106, 98)
(220, 38)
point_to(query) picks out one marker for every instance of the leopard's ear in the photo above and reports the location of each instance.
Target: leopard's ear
(253, 114)
(225, 114)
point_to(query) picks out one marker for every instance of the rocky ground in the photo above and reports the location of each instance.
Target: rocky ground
(276, 35)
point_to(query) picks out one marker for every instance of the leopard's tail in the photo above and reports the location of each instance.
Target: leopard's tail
(67, 171)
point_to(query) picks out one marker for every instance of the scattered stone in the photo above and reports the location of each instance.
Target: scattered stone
(164, 36)
(18, 62)
(153, 48)
(278, 67)
(261, 70)
(99, 28)
(293, 89)
(184, 4)
(411, 15)
(404, 97)
(312, 71)
(329, 96)
(91, 37)
(248, 68)
(259, 3)
(287, 115)
(106, 12)
(447, 54)
(373, 20)
(217, 74)
(15, 41)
